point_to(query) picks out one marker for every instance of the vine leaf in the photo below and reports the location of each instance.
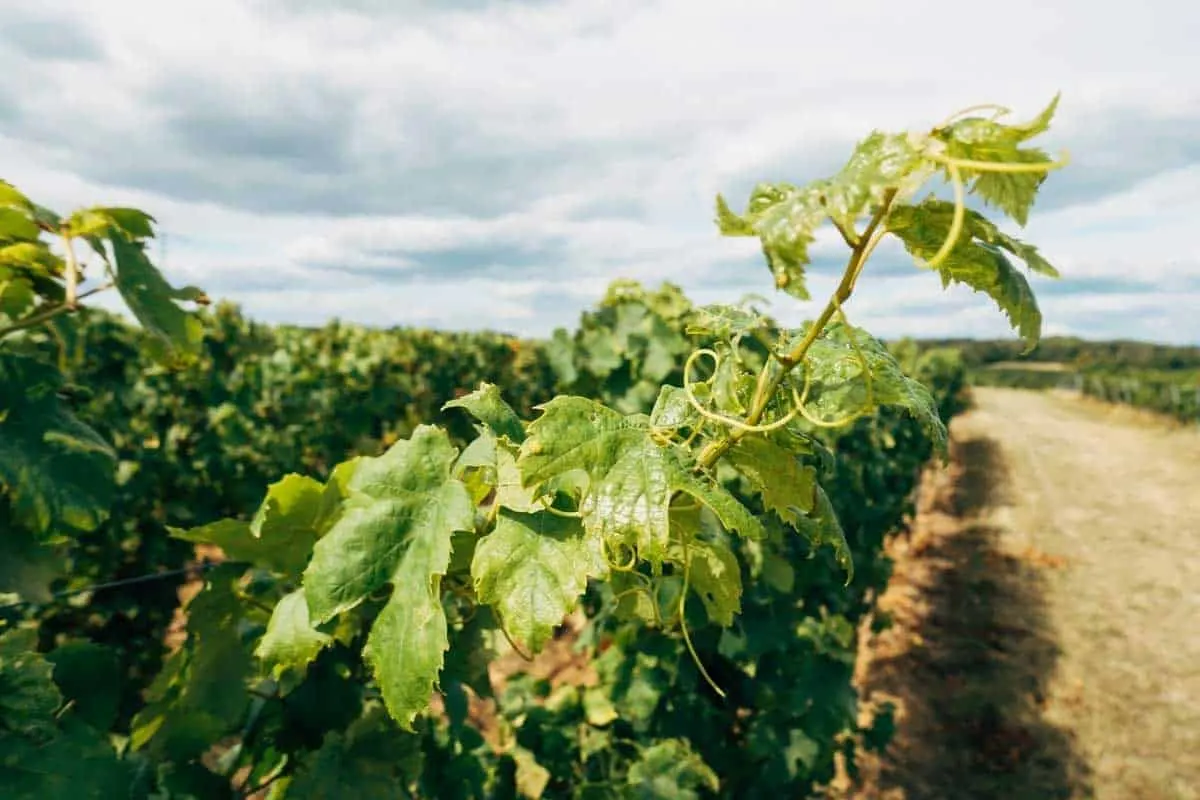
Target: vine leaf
(396, 528)
(631, 478)
(56, 470)
(16, 226)
(533, 568)
(671, 769)
(838, 384)
(879, 163)
(291, 642)
(28, 696)
(821, 528)
(371, 756)
(153, 301)
(199, 696)
(976, 260)
(977, 139)
(727, 322)
(487, 406)
(488, 465)
(714, 575)
(100, 221)
(47, 750)
(985, 230)
(786, 485)
(90, 677)
(785, 217)
(282, 533)
(672, 409)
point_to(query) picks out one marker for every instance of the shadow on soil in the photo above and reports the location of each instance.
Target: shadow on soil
(973, 690)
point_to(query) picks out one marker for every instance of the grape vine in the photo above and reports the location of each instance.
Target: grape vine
(667, 506)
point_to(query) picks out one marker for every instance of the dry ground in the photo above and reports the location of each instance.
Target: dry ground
(1046, 638)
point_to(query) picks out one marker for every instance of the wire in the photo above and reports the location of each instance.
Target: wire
(202, 567)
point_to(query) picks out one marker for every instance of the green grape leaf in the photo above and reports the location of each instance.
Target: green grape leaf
(337, 489)
(476, 465)
(371, 758)
(1040, 123)
(978, 139)
(396, 528)
(16, 294)
(153, 301)
(784, 218)
(531, 778)
(532, 569)
(714, 575)
(11, 197)
(44, 217)
(282, 533)
(90, 677)
(28, 696)
(75, 761)
(1014, 193)
(631, 477)
(28, 566)
(487, 406)
(984, 230)
(510, 491)
(973, 261)
(732, 384)
(669, 769)
(291, 641)
(199, 696)
(489, 465)
(776, 474)
(559, 351)
(131, 222)
(821, 528)
(726, 322)
(56, 470)
(16, 226)
(33, 258)
(879, 163)
(779, 574)
(602, 354)
(672, 409)
(838, 384)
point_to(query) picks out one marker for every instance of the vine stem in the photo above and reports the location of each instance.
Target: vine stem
(72, 301)
(766, 387)
(38, 318)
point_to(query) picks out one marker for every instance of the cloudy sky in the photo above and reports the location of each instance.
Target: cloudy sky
(483, 164)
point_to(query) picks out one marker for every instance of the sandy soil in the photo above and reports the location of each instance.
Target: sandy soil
(1046, 611)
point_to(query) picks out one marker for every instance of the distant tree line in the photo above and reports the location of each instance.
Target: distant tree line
(1082, 353)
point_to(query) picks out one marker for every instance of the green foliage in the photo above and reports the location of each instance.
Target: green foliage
(1174, 393)
(533, 568)
(632, 478)
(55, 469)
(977, 259)
(991, 142)
(48, 749)
(395, 527)
(710, 487)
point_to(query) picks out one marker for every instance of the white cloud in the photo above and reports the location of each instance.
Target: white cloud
(591, 134)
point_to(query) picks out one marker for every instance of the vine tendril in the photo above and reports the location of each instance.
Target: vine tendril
(683, 627)
(731, 422)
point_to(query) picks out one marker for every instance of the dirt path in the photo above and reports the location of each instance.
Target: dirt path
(1046, 637)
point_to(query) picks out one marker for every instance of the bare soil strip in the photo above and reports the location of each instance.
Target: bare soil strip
(1046, 608)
